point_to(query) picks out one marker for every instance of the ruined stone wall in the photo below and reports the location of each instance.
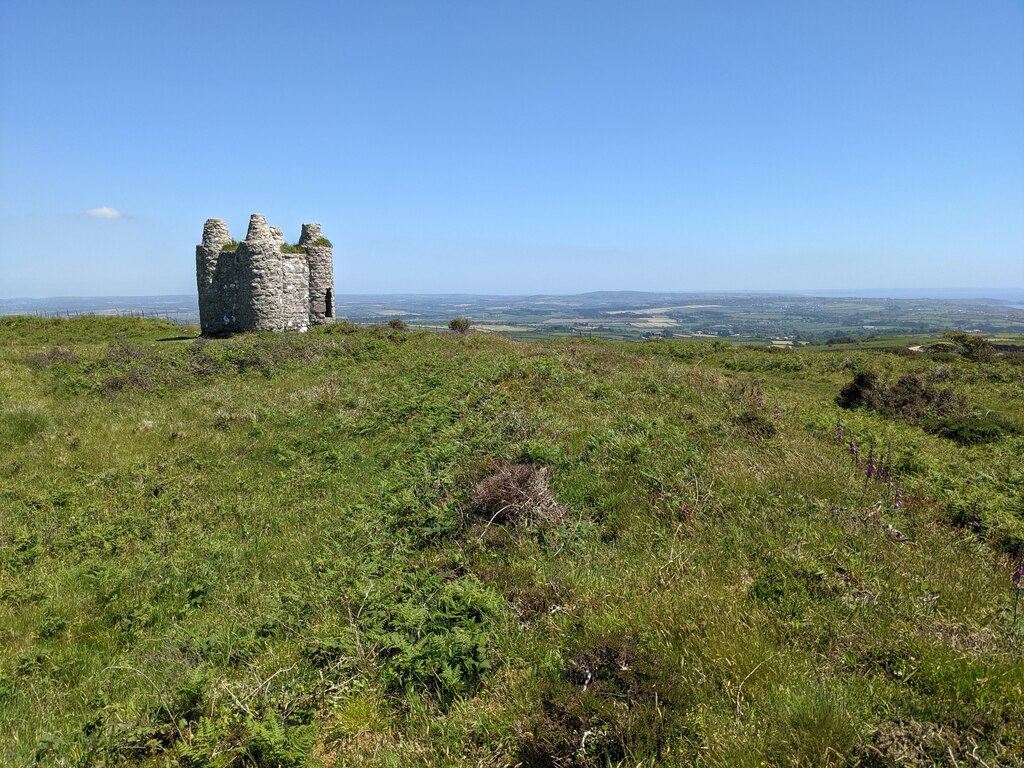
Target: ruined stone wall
(215, 235)
(321, 274)
(258, 286)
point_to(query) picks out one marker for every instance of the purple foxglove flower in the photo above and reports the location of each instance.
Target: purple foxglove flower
(778, 412)
(853, 449)
(898, 501)
(1018, 577)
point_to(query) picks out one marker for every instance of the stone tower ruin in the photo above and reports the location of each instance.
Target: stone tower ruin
(261, 284)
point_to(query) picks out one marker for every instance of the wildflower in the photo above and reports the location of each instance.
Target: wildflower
(869, 470)
(853, 448)
(778, 412)
(898, 501)
(839, 432)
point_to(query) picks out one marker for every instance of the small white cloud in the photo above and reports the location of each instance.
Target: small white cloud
(104, 213)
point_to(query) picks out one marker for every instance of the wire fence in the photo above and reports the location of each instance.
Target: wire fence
(183, 317)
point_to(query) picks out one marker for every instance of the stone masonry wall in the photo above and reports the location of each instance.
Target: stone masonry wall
(208, 255)
(258, 286)
(321, 274)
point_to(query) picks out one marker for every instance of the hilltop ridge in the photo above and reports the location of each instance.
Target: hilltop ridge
(385, 547)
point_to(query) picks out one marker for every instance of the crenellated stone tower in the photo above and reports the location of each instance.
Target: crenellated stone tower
(261, 284)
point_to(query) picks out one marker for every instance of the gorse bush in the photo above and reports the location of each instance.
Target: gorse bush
(459, 324)
(909, 398)
(972, 347)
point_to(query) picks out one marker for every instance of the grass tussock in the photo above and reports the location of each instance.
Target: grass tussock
(19, 425)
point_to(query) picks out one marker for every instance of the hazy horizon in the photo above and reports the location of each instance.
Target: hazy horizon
(996, 294)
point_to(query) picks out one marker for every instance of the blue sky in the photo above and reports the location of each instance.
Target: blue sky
(518, 147)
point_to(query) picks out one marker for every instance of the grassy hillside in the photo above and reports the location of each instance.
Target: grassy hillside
(381, 548)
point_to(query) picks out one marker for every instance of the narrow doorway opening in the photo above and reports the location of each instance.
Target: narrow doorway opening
(329, 302)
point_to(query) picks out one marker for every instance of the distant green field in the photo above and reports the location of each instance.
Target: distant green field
(361, 546)
(625, 315)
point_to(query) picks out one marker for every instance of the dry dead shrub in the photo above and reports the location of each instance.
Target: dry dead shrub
(517, 495)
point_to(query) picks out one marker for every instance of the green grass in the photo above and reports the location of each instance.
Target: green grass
(263, 551)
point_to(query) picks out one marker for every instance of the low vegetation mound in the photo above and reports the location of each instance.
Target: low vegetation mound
(941, 411)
